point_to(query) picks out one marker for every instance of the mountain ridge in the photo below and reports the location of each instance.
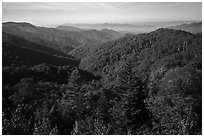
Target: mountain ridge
(18, 50)
(147, 47)
(195, 27)
(58, 39)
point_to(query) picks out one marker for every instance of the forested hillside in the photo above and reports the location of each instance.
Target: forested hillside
(34, 78)
(145, 84)
(48, 37)
(167, 65)
(145, 49)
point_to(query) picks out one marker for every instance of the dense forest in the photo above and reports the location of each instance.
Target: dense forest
(144, 84)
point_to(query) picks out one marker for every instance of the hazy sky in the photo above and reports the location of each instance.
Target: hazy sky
(59, 13)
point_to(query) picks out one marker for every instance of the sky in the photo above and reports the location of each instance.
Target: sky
(51, 13)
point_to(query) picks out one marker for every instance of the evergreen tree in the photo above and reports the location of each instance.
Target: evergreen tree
(132, 91)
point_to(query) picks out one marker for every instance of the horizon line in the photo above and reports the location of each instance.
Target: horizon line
(131, 23)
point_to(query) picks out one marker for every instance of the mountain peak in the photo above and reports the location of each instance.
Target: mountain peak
(24, 24)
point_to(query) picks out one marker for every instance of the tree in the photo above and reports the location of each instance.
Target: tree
(19, 124)
(132, 93)
(176, 108)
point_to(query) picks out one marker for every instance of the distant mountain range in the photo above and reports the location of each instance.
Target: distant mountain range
(78, 40)
(195, 27)
(63, 40)
(48, 37)
(135, 27)
(123, 28)
(70, 28)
